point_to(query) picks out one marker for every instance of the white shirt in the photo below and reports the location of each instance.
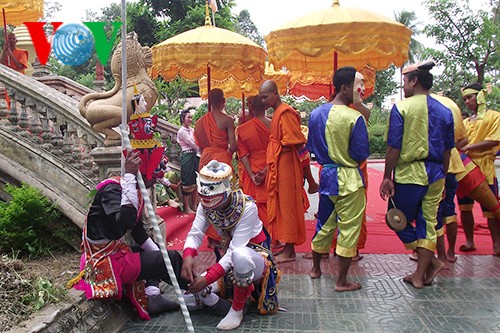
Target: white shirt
(247, 228)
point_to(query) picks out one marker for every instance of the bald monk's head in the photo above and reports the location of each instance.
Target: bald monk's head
(216, 98)
(268, 92)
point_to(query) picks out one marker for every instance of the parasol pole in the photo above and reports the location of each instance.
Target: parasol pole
(335, 61)
(4, 25)
(5, 33)
(145, 193)
(243, 106)
(208, 86)
(335, 65)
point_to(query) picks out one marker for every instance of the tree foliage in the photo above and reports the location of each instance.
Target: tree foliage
(468, 38)
(246, 27)
(409, 19)
(384, 86)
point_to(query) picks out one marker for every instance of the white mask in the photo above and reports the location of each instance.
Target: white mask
(358, 89)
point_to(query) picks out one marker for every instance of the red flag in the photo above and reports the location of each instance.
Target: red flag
(213, 4)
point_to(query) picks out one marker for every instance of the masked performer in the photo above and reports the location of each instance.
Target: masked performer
(247, 268)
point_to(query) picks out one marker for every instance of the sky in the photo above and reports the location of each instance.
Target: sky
(266, 14)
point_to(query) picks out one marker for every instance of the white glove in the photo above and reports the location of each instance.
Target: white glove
(129, 190)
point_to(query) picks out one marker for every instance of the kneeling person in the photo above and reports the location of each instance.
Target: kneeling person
(247, 267)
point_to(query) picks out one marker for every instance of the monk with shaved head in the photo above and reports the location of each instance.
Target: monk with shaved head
(284, 182)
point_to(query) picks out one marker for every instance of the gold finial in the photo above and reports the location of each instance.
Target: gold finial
(336, 3)
(207, 14)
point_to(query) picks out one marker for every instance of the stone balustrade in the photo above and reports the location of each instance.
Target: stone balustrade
(45, 142)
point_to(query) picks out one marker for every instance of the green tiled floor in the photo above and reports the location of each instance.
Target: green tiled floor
(465, 298)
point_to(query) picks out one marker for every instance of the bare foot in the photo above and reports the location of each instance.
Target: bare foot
(279, 252)
(496, 250)
(357, 257)
(349, 286)
(277, 245)
(444, 260)
(189, 211)
(435, 267)
(315, 273)
(282, 258)
(451, 256)
(313, 188)
(309, 255)
(467, 247)
(413, 281)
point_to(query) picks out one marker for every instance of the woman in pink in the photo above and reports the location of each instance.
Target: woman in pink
(189, 162)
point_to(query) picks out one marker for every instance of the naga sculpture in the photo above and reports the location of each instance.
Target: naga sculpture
(103, 110)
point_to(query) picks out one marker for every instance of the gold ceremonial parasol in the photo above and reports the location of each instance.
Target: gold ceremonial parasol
(218, 53)
(318, 43)
(304, 84)
(18, 11)
(249, 88)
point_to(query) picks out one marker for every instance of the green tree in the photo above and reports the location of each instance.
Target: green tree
(416, 48)
(50, 8)
(384, 86)
(246, 27)
(173, 97)
(469, 38)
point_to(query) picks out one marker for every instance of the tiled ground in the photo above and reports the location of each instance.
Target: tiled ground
(465, 298)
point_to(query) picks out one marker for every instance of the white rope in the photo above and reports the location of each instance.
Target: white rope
(159, 238)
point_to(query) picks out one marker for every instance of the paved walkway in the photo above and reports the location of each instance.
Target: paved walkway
(465, 298)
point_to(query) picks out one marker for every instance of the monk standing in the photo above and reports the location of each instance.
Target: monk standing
(12, 57)
(214, 132)
(285, 191)
(253, 138)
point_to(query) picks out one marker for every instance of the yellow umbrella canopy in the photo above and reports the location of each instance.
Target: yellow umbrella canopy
(19, 11)
(226, 53)
(357, 36)
(304, 84)
(232, 88)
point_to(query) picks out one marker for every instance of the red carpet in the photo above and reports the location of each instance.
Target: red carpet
(380, 238)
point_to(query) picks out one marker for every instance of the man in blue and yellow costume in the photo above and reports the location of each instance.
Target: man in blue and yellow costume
(247, 268)
(339, 139)
(419, 140)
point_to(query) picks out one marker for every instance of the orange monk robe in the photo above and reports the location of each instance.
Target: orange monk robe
(214, 144)
(285, 191)
(22, 57)
(253, 138)
(212, 140)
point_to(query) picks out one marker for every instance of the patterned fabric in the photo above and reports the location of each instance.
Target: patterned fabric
(189, 165)
(265, 293)
(227, 219)
(107, 264)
